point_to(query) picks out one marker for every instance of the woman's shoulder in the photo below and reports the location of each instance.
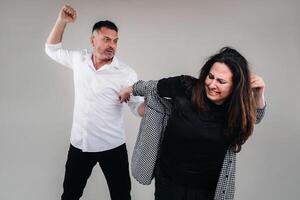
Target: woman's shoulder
(176, 85)
(187, 80)
(183, 80)
(187, 83)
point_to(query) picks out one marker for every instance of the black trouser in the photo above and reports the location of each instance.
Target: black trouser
(114, 164)
(166, 189)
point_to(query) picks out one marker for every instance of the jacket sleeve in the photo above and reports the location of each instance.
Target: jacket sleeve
(143, 88)
(260, 113)
(152, 126)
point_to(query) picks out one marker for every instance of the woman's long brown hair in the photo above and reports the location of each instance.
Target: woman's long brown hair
(241, 112)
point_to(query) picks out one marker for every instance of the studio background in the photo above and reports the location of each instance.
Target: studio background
(157, 39)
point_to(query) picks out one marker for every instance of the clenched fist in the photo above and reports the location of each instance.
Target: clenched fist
(67, 14)
(258, 88)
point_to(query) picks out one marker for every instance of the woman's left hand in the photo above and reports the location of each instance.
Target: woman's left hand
(258, 88)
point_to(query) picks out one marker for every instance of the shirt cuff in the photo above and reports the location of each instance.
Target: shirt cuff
(53, 46)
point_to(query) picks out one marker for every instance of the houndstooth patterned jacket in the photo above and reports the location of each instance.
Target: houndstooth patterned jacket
(150, 135)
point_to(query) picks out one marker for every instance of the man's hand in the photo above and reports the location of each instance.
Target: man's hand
(67, 14)
(141, 109)
(124, 94)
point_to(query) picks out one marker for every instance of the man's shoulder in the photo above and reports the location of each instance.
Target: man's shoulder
(85, 53)
(59, 46)
(126, 67)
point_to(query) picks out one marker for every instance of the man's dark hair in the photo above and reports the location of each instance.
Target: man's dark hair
(106, 24)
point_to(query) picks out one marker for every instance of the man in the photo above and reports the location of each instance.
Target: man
(97, 132)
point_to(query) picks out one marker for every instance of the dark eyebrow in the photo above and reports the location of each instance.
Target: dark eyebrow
(222, 80)
(218, 79)
(110, 37)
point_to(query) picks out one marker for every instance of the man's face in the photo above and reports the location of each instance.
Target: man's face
(104, 42)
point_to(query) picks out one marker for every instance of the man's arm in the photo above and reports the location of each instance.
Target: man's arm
(66, 15)
(141, 109)
(124, 96)
(53, 45)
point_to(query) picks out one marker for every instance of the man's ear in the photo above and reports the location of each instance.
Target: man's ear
(92, 40)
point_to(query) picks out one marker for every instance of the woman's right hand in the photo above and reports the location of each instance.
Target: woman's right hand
(124, 94)
(258, 88)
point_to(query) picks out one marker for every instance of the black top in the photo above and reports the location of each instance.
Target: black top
(194, 145)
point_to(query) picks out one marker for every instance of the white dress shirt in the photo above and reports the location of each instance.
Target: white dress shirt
(98, 115)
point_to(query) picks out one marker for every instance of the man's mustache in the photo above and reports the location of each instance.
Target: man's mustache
(109, 50)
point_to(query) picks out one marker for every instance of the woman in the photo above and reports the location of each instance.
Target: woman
(211, 118)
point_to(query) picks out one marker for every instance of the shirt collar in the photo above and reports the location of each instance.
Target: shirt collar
(115, 64)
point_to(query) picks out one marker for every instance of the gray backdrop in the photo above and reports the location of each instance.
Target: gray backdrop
(158, 39)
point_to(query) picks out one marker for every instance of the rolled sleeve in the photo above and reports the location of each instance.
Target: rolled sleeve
(135, 101)
(60, 55)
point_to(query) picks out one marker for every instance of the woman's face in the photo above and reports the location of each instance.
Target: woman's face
(218, 83)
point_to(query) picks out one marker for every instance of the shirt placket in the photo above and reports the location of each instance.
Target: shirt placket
(87, 109)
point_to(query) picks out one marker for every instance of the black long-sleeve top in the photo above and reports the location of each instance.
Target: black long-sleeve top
(194, 145)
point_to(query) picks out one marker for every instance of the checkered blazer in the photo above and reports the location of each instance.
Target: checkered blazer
(152, 127)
